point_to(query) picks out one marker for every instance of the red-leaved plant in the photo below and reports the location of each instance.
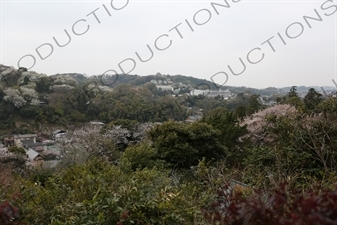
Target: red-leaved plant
(8, 212)
(280, 207)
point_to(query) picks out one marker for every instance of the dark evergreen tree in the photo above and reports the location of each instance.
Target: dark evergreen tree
(312, 99)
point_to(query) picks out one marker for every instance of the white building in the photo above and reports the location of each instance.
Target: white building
(165, 87)
(211, 93)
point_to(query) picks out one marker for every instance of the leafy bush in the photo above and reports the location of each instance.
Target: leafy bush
(142, 156)
(17, 150)
(184, 145)
(9, 187)
(101, 193)
(280, 207)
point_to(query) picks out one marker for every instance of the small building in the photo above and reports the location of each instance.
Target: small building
(35, 159)
(56, 132)
(212, 93)
(42, 137)
(33, 155)
(24, 137)
(165, 87)
(96, 125)
(8, 140)
(60, 137)
(38, 146)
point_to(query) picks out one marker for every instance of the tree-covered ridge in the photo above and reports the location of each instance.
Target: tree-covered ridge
(64, 99)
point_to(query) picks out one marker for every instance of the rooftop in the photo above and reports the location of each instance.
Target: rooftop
(25, 135)
(58, 131)
(32, 154)
(96, 123)
(31, 144)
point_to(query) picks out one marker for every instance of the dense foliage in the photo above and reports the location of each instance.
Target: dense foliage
(280, 207)
(242, 163)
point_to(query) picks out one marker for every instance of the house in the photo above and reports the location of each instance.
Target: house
(56, 132)
(164, 87)
(60, 137)
(33, 155)
(43, 137)
(212, 93)
(96, 125)
(38, 146)
(24, 137)
(8, 140)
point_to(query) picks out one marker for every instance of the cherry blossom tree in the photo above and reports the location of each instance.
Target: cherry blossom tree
(28, 93)
(256, 122)
(13, 95)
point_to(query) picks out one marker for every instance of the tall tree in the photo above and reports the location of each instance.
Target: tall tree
(230, 132)
(312, 99)
(293, 92)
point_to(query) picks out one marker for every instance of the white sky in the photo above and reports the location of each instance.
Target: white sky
(310, 59)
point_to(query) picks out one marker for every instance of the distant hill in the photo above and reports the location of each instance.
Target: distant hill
(136, 80)
(11, 77)
(30, 101)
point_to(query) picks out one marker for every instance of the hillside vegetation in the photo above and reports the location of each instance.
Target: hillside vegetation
(243, 162)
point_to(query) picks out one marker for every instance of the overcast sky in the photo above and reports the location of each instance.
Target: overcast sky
(223, 33)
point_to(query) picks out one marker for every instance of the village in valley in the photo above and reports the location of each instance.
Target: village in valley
(41, 150)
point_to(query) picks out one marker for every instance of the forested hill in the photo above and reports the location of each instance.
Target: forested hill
(31, 99)
(136, 80)
(11, 77)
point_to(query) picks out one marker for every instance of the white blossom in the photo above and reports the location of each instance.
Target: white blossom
(256, 122)
(104, 88)
(82, 143)
(13, 96)
(60, 87)
(65, 79)
(30, 85)
(32, 75)
(28, 93)
(35, 102)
